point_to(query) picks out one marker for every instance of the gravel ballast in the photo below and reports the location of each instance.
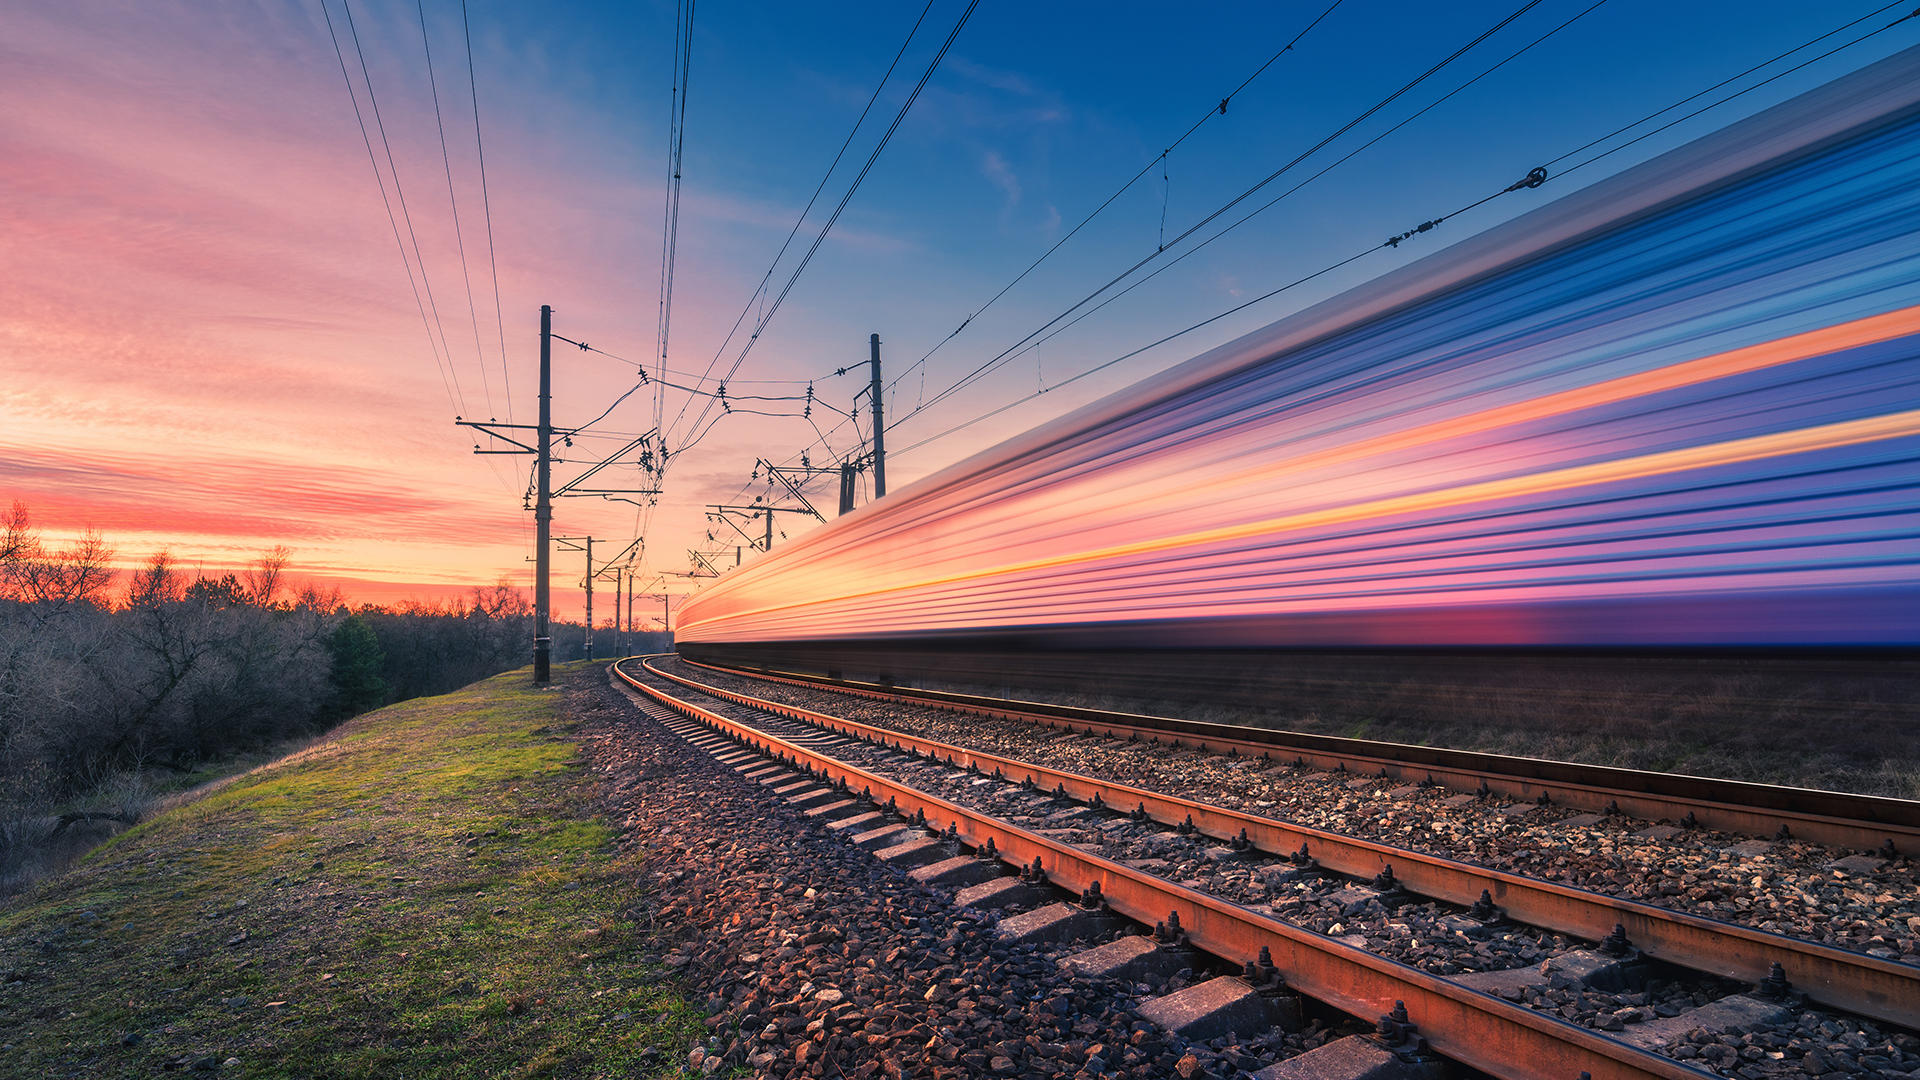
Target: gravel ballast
(1845, 899)
(816, 959)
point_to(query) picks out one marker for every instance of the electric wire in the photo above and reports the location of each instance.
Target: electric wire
(426, 283)
(453, 201)
(1532, 181)
(1212, 111)
(1343, 159)
(372, 159)
(1529, 182)
(486, 204)
(760, 288)
(1730, 97)
(1006, 354)
(670, 226)
(885, 138)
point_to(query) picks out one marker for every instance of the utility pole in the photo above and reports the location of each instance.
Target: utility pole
(619, 627)
(846, 487)
(628, 648)
(543, 509)
(542, 452)
(589, 598)
(570, 542)
(879, 429)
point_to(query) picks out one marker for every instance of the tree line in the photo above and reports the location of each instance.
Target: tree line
(102, 682)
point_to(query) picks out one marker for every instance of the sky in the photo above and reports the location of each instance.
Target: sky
(221, 330)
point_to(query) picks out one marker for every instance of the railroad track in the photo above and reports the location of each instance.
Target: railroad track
(1836, 819)
(1462, 1022)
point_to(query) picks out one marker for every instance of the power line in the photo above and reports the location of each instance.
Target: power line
(486, 204)
(932, 66)
(1533, 180)
(1730, 97)
(1343, 159)
(453, 201)
(1007, 353)
(352, 96)
(1212, 111)
(761, 288)
(676, 148)
(427, 284)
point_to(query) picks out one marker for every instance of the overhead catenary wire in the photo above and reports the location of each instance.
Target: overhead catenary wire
(1533, 180)
(1297, 282)
(453, 201)
(426, 283)
(670, 226)
(1425, 226)
(760, 287)
(1212, 111)
(1343, 159)
(852, 188)
(486, 205)
(453, 398)
(1008, 352)
(1776, 59)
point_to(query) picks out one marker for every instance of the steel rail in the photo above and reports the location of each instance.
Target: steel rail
(1835, 818)
(1478, 1030)
(1866, 985)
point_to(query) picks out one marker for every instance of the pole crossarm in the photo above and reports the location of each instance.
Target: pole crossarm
(494, 428)
(608, 565)
(753, 512)
(490, 428)
(573, 486)
(786, 473)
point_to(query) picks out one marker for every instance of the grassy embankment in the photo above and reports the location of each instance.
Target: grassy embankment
(426, 892)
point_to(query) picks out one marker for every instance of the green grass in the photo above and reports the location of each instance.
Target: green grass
(425, 893)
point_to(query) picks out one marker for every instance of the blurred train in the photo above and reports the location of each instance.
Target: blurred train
(1676, 410)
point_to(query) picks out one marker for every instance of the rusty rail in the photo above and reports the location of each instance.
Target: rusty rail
(1834, 818)
(1476, 1029)
(1866, 985)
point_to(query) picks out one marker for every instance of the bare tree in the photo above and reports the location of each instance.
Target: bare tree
(262, 576)
(15, 539)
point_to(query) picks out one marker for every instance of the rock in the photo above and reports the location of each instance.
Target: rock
(829, 998)
(1187, 1067)
(1002, 1066)
(696, 1057)
(206, 1064)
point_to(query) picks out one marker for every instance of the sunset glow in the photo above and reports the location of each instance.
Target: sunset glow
(238, 312)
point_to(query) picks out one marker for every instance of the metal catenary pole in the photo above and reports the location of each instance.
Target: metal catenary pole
(543, 509)
(879, 426)
(589, 597)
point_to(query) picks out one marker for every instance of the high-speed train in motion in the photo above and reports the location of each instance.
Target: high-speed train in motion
(1677, 409)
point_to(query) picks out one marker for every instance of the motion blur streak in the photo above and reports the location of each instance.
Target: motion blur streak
(1680, 407)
